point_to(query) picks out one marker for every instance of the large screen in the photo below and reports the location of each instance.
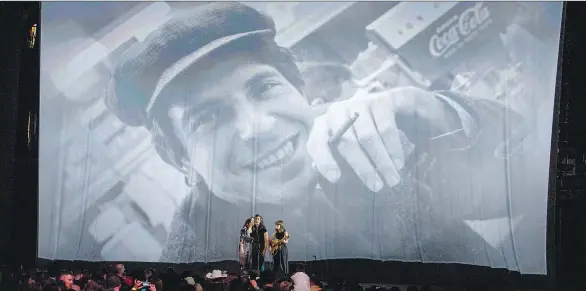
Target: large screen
(405, 131)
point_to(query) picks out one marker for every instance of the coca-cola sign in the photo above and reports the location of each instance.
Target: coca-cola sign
(456, 31)
(468, 30)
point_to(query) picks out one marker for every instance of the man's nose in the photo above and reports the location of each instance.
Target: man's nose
(253, 123)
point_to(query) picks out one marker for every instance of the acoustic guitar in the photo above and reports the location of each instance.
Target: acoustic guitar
(276, 245)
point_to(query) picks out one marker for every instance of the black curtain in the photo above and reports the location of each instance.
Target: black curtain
(570, 200)
(9, 73)
(19, 73)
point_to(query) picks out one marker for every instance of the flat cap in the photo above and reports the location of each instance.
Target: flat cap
(148, 67)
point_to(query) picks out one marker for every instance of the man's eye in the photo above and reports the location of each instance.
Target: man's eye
(266, 90)
(269, 85)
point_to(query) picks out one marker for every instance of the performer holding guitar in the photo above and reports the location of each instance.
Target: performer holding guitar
(278, 248)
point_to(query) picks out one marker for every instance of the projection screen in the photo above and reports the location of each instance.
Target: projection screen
(407, 131)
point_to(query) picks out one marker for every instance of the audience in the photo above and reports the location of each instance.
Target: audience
(114, 278)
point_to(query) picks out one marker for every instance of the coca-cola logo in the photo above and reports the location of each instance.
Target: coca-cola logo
(457, 28)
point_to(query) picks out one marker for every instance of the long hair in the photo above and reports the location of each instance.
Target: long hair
(247, 222)
(261, 225)
(281, 224)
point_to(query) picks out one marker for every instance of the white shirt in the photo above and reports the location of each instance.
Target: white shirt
(302, 282)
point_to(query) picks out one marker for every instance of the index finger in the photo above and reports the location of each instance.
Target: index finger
(319, 150)
(389, 133)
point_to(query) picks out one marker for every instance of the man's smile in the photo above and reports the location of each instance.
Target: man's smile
(276, 155)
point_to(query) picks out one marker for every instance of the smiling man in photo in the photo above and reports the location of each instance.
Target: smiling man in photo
(225, 106)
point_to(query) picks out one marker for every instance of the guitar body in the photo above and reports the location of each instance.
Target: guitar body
(275, 246)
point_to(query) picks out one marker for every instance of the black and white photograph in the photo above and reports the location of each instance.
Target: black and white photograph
(270, 132)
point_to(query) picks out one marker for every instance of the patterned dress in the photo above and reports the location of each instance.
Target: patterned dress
(245, 254)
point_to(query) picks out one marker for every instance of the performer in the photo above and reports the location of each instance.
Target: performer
(278, 247)
(260, 241)
(245, 244)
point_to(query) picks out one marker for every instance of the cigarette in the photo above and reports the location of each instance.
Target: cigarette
(335, 138)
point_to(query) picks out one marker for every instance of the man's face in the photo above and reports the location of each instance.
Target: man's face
(67, 280)
(245, 128)
(120, 268)
(257, 220)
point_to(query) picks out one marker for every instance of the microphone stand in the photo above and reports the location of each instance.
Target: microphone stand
(258, 250)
